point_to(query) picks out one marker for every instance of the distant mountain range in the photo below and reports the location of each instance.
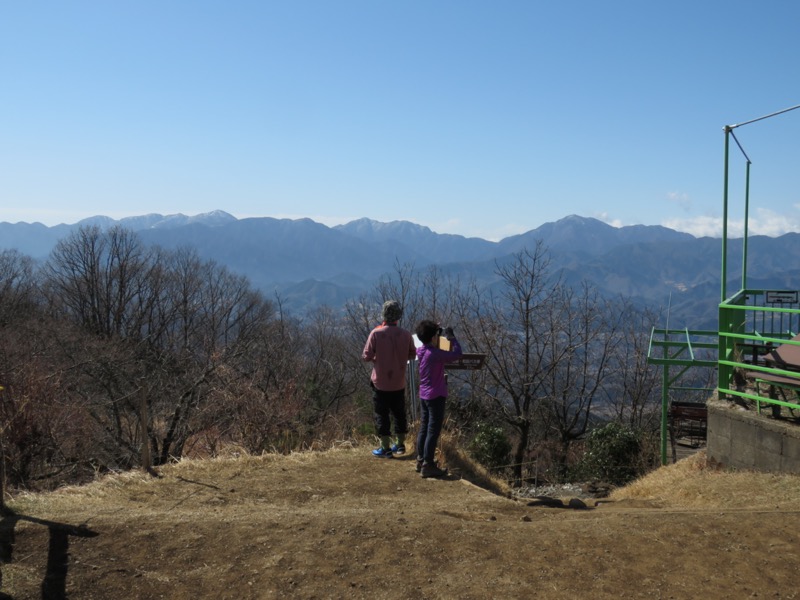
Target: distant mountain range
(309, 263)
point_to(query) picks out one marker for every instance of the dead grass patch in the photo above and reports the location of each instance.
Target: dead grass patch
(695, 482)
(458, 461)
(343, 524)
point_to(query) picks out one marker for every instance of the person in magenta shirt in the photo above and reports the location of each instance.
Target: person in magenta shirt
(432, 392)
(389, 347)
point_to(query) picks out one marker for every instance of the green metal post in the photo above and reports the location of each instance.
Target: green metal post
(725, 218)
(664, 413)
(746, 220)
(722, 327)
(723, 371)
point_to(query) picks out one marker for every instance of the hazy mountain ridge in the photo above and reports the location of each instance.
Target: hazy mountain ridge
(419, 241)
(309, 263)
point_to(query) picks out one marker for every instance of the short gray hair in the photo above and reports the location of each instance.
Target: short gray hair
(392, 311)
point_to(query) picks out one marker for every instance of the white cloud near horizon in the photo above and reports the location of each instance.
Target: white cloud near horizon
(764, 222)
(606, 218)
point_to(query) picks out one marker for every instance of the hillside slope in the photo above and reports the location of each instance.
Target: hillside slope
(341, 524)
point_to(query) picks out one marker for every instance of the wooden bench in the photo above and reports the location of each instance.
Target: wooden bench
(787, 358)
(687, 420)
(754, 353)
(775, 383)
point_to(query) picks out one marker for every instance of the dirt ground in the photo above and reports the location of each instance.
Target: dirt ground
(342, 524)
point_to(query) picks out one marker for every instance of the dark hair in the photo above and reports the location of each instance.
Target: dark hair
(426, 330)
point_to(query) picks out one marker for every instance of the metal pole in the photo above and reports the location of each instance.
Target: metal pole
(664, 412)
(780, 112)
(725, 217)
(746, 222)
(412, 387)
(722, 340)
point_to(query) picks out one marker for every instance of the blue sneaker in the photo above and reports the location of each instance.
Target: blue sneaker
(398, 449)
(381, 453)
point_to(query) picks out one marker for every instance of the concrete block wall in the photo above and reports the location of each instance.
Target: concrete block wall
(743, 439)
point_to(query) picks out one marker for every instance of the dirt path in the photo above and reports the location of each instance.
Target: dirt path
(342, 524)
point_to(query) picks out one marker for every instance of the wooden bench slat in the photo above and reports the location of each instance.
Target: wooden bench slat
(770, 378)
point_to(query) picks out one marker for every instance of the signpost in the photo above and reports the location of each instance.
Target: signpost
(469, 360)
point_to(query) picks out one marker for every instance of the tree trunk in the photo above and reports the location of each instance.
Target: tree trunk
(519, 451)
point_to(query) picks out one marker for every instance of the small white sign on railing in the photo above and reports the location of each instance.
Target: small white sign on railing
(781, 297)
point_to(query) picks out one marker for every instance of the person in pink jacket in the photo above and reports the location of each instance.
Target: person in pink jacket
(389, 347)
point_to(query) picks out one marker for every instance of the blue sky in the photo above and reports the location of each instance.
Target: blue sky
(478, 118)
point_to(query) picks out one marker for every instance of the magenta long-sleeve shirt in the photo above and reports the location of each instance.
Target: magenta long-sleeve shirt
(432, 383)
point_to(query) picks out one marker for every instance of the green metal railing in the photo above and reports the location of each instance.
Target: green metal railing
(751, 324)
(687, 351)
(749, 327)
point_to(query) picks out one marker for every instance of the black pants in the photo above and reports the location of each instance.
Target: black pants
(388, 406)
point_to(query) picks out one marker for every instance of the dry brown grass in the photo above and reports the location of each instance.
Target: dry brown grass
(119, 491)
(459, 461)
(342, 524)
(695, 482)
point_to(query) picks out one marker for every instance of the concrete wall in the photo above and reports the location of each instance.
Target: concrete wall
(743, 439)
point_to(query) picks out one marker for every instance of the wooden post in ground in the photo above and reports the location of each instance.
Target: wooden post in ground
(2, 468)
(2, 474)
(143, 421)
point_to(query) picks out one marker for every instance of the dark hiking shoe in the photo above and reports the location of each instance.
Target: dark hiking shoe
(418, 468)
(398, 449)
(381, 453)
(432, 470)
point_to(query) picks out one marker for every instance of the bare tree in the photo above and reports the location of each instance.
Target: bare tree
(261, 404)
(582, 337)
(555, 353)
(101, 279)
(505, 324)
(635, 397)
(17, 286)
(164, 326)
(217, 320)
(403, 286)
(332, 366)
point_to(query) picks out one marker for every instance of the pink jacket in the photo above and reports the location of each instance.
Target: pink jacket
(389, 348)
